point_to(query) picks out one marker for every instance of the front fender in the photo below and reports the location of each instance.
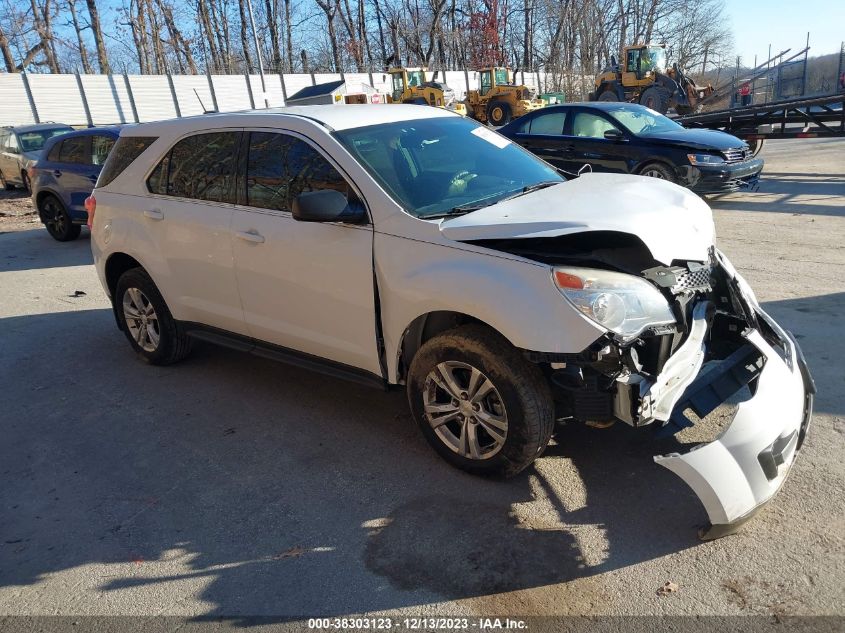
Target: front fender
(514, 296)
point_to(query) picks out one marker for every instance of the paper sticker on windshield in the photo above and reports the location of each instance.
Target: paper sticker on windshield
(491, 137)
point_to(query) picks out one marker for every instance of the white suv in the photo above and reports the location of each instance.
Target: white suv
(404, 245)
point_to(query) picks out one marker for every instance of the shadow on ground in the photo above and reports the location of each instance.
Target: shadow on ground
(42, 251)
(266, 490)
(784, 192)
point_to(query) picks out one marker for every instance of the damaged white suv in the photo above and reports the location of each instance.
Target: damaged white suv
(404, 245)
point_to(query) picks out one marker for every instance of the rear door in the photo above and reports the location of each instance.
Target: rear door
(187, 217)
(306, 286)
(71, 172)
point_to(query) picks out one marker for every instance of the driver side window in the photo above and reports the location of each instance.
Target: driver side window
(633, 61)
(590, 125)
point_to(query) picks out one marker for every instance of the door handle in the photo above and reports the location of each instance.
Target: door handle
(251, 236)
(57, 173)
(154, 214)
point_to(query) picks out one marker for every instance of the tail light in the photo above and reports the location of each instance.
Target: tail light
(90, 207)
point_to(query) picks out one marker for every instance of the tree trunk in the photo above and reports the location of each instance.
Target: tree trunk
(83, 54)
(288, 37)
(6, 51)
(245, 34)
(329, 8)
(205, 24)
(102, 56)
(272, 8)
(180, 44)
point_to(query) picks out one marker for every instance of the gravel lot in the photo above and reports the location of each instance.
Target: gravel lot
(230, 485)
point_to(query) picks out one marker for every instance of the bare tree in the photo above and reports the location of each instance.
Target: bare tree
(102, 56)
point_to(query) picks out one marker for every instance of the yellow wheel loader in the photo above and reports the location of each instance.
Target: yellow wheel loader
(498, 101)
(410, 85)
(644, 78)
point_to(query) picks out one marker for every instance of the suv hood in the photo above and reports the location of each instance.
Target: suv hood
(672, 222)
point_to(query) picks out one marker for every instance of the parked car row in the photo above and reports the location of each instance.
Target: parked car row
(408, 247)
(58, 167)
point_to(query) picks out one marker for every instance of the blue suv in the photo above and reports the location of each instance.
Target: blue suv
(65, 175)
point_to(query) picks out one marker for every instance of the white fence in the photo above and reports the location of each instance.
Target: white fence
(82, 100)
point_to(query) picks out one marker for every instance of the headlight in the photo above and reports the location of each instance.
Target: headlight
(622, 303)
(705, 159)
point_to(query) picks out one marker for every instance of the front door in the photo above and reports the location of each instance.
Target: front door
(542, 135)
(306, 286)
(586, 134)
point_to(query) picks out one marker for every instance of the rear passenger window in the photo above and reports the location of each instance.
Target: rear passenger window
(75, 150)
(53, 156)
(202, 167)
(280, 167)
(100, 148)
(125, 150)
(549, 123)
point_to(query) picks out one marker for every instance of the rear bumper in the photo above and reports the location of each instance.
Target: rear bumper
(741, 470)
(722, 178)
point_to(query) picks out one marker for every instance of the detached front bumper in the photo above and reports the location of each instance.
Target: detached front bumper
(743, 468)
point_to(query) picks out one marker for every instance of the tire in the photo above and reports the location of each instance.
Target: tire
(659, 171)
(499, 113)
(155, 336)
(5, 183)
(515, 417)
(608, 95)
(656, 99)
(56, 219)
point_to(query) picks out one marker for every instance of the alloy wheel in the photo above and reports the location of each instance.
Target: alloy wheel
(54, 217)
(654, 173)
(141, 319)
(465, 410)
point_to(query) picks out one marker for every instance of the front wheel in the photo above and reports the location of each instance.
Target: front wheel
(145, 318)
(659, 171)
(479, 403)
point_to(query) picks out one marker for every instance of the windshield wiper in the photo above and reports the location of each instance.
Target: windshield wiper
(456, 211)
(535, 187)
(481, 204)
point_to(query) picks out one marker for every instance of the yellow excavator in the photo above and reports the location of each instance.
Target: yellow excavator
(498, 101)
(644, 78)
(410, 85)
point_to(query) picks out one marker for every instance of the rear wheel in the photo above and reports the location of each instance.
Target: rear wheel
(56, 219)
(479, 403)
(659, 171)
(608, 95)
(145, 318)
(499, 113)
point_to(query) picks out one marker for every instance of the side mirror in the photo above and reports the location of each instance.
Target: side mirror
(326, 205)
(614, 135)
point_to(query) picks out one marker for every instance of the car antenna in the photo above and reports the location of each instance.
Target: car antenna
(202, 105)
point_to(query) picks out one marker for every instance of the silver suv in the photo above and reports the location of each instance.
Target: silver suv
(20, 147)
(407, 246)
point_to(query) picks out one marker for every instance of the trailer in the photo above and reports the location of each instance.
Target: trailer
(803, 117)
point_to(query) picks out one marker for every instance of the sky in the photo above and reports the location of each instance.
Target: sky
(784, 24)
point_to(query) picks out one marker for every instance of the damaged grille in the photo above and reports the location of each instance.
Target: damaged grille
(695, 280)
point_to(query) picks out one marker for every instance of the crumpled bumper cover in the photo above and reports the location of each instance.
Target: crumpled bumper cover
(740, 471)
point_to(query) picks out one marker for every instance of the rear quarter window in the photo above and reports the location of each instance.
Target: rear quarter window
(123, 154)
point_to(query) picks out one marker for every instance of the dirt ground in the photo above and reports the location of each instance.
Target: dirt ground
(233, 486)
(17, 212)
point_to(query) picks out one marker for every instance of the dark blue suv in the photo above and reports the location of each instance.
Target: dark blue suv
(65, 175)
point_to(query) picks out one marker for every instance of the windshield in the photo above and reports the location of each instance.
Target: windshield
(433, 166)
(33, 141)
(643, 121)
(653, 58)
